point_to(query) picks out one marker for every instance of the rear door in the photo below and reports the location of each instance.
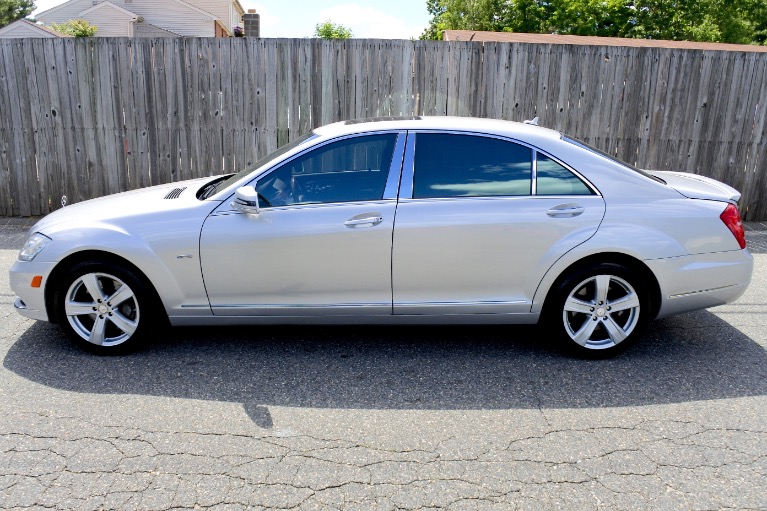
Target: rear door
(480, 220)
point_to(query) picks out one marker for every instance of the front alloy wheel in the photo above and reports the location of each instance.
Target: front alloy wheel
(102, 309)
(105, 307)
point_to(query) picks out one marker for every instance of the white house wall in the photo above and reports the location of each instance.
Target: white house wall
(167, 14)
(235, 18)
(68, 11)
(110, 22)
(173, 16)
(218, 7)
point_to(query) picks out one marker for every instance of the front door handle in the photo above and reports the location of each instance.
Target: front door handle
(566, 210)
(364, 219)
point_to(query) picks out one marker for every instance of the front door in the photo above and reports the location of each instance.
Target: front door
(321, 243)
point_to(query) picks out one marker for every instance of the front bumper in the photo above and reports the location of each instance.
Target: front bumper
(700, 281)
(30, 301)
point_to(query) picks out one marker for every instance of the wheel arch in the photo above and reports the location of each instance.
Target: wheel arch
(648, 277)
(65, 265)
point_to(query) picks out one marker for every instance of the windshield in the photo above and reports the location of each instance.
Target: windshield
(610, 157)
(214, 186)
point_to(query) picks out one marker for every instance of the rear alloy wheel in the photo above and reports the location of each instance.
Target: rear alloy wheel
(601, 310)
(103, 307)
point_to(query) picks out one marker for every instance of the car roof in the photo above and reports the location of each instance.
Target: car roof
(510, 129)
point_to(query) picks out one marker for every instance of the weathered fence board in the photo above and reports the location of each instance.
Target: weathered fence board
(88, 117)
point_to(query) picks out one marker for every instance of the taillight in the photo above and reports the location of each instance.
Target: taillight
(731, 219)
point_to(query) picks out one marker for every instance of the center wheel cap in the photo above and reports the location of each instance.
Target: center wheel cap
(601, 312)
(103, 309)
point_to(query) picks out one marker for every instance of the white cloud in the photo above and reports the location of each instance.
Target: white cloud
(369, 22)
(270, 24)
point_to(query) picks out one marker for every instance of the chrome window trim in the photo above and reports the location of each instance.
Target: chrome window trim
(312, 205)
(494, 198)
(408, 168)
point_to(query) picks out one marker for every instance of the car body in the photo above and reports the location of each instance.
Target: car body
(395, 220)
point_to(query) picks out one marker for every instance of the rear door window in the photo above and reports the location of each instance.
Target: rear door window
(455, 165)
(553, 178)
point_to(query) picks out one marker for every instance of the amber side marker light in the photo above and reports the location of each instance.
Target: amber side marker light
(37, 280)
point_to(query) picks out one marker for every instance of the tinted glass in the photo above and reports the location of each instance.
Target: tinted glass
(260, 163)
(554, 179)
(609, 156)
(354, 169)
(470, 166)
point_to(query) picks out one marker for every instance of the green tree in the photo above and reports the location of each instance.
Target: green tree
(12, 10)
(330, 30)
(75, 28)
(729, 21)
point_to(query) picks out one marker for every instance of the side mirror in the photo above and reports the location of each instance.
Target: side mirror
(246, 200)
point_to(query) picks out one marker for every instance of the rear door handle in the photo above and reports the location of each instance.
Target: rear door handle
(566, 210)
(360, 220)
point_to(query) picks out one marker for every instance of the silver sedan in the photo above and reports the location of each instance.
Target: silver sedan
(407, 220)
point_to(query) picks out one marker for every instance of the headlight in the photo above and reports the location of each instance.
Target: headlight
(33, 246)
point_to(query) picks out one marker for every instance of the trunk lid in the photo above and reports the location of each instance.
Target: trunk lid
(694, 186)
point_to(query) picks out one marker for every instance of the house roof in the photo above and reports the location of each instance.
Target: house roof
(112, 6)
(182, 2)
(139, 26)
(44, 31)
(519, 37)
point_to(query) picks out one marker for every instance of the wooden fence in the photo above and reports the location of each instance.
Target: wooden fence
(89, 117)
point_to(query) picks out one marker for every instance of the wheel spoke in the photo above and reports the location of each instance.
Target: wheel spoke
(119, 296)
(78, 308)
(630, 301)
(603, 286)
(574, 305)
(615, 331)
(91, 283)
(98, 332)
(583, 335)
(123, 323)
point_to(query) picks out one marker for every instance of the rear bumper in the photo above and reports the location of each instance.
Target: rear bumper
(700, 281)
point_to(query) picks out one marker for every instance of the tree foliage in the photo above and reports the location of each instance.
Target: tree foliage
(75, 28)
(330, 30)
(728, 21)
(12, 10)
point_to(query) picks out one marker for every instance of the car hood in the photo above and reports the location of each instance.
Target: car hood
(694, 186)
(125, 205)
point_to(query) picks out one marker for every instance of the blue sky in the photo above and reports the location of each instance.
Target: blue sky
(387, 19)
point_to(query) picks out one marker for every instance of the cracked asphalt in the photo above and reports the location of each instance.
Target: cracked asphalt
(458, 418)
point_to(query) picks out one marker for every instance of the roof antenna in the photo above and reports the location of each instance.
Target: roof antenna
(534, 122)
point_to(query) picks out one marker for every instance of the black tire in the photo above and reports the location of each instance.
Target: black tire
(598, 311)
(114, 322)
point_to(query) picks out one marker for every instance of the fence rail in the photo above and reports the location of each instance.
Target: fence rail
(89, 117)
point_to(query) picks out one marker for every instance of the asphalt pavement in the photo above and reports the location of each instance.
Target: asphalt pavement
(459, 418)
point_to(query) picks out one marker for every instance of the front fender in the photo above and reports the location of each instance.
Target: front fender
(168, 256)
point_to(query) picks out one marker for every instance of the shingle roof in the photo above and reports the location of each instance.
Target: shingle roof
(519, 37)
(34, 26)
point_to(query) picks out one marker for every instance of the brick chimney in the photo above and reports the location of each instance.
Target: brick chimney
(252, 22)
